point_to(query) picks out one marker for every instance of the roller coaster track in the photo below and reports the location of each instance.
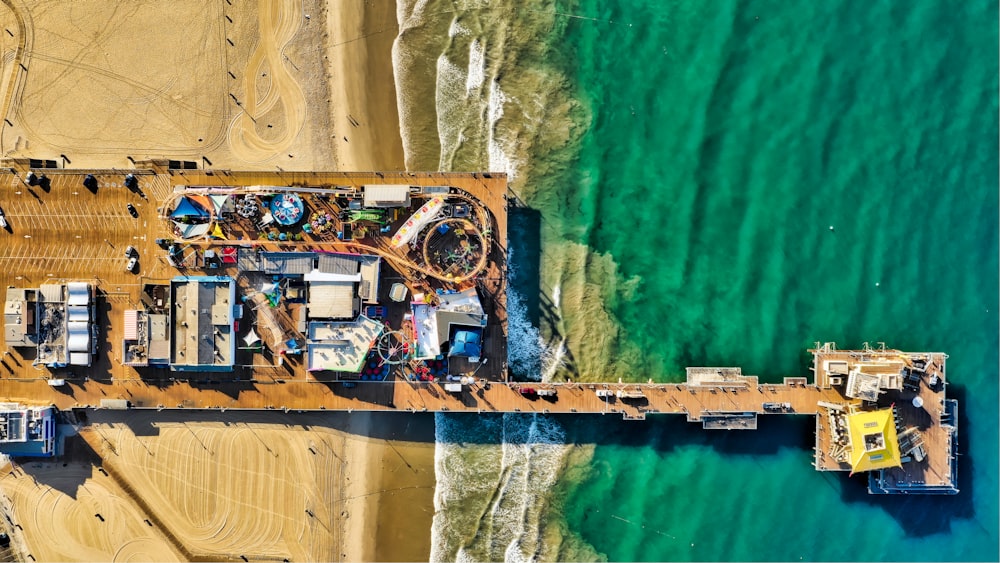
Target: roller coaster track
(482, 216)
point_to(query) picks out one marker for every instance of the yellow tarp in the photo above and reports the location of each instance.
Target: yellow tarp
(874, 444)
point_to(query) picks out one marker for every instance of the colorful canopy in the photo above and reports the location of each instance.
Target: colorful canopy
(874, 444)
(467, 344)
(412, 226)
(287, 209)
(188, 208)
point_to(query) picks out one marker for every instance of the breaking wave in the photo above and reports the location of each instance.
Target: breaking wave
(494, 476)
(478, 89)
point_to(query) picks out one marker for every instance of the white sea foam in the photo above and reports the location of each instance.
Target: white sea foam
(456, 29)
(553, 358)
(489, 500)
(525, 344)
(499, 161)
(477, 67)
(449, 97)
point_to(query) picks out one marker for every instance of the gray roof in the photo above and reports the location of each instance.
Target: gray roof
(446, 318)
(287, 262)
(338, 264)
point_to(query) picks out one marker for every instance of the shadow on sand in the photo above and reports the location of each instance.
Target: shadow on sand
(54, 473)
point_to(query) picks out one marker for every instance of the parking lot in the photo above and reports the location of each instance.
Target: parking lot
(68, 231)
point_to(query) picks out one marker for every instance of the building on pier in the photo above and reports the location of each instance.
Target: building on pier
(887, 413)
(201, 321)
(57, 319)
(27, 431)
(872, 442)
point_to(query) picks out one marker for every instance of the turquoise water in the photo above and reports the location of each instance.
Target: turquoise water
(683, 164)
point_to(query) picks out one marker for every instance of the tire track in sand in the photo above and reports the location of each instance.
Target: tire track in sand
(278, 22)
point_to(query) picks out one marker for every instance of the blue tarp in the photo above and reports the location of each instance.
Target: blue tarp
(466, 344)
(186, 208)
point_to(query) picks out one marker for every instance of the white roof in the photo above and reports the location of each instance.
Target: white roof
(376, 194)
(79, 359)
(331, 300)
(79, 293)
(341, 346)
(51, 292)
(79, 336)
(426, 330)
(77, 314)
(251, 338)
(318, 276)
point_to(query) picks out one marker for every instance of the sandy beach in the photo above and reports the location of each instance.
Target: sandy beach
(295, 85)
(392, 500)
(363, 93)
(292, 85)
(170, 486)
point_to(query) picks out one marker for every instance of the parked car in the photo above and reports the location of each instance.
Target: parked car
(132, 210)
(131, 251)
(3, 220)
(130, 267)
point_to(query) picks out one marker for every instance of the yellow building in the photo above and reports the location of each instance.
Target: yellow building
(873, 440)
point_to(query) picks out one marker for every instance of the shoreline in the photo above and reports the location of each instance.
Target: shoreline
(364, 117)
(385, 482)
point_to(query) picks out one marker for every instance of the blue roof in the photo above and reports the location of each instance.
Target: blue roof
(31, 448)
(467, 344)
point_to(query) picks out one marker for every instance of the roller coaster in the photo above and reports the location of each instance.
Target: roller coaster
(461, 262)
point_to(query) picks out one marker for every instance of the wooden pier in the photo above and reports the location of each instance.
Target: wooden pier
(730, 401)
(63, 231)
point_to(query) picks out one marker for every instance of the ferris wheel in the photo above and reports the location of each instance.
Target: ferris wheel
(392, 347)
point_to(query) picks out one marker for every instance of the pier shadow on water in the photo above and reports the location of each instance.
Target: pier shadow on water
(524, 241)
(539, 310)
(918, 515)
(926, 515)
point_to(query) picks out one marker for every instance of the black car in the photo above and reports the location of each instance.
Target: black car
(132, 211)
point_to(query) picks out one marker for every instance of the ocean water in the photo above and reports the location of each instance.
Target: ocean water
(680, 166)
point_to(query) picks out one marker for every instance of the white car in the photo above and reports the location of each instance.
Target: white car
(3, 220)
(130, 267)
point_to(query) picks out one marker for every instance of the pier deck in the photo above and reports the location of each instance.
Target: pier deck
(63, 231)
(729, 403)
